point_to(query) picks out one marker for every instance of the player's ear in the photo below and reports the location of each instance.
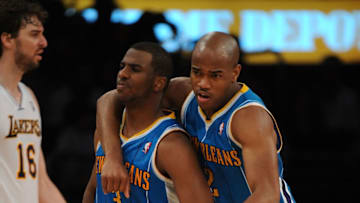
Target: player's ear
(159, 84)
(236, 72)
(6, 39)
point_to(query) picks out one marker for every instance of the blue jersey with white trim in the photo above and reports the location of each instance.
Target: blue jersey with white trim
(221, 155)
(147, 183)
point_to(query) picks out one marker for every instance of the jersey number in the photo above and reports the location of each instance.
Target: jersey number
(117, 197)
(214, 191)
(30, 153)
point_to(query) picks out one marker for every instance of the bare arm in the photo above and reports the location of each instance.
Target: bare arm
(114, 176)
(258, 140)
(89, 193)
(176, 93)
(48, 192)
(176, 157)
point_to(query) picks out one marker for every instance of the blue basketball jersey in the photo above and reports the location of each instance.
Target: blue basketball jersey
(139, 151)
(221, 154)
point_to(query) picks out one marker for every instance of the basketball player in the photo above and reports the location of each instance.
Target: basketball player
(161, 163)
(23, 175)
(235, 134)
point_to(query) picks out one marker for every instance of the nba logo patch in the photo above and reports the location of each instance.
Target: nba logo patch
(147, 147)
(221, 128)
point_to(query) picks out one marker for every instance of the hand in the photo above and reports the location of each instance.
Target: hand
(115, 177)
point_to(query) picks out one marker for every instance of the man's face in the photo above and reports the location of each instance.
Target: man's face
(30, 44)
(136, 76)
(211, 77)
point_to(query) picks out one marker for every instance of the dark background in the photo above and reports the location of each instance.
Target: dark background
(316, 105)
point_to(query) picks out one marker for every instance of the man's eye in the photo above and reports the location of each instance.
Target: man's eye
(216, 75)
(195, 71)
(135, 69)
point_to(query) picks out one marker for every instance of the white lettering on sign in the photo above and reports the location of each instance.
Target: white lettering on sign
(296, 30)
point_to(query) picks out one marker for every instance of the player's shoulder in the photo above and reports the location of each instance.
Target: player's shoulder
(250, 114)
(175, 139)
(26, 87)
(29, 91)
(107, 95)
(249, 121)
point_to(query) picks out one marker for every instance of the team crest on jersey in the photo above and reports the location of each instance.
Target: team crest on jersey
(221, 128)
(147, 147)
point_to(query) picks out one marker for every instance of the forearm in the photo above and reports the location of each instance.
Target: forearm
(49, 193)
(114, 176)
(108, 117)
(89, 193)
(261, 197)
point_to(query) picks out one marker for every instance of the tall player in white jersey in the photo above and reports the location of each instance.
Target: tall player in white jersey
(23, 176)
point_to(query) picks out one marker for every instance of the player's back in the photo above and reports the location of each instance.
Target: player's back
(20, 138)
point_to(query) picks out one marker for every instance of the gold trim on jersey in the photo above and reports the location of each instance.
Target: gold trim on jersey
(185, 105)
(223, 110)
(144, 131)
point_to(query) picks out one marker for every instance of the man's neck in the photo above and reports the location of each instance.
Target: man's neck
(232, 91)
(139, 117)
(10, 76)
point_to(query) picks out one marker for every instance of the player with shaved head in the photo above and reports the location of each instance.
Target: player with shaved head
(236, 136)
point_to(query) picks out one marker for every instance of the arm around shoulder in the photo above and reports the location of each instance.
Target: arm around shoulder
(176, 157)
(176, 93)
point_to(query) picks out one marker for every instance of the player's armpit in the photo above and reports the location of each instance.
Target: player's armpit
(176, 158)
(252, 128)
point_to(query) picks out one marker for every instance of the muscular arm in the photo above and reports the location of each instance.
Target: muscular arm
(252, 127)
(48, 192)
(176, 157)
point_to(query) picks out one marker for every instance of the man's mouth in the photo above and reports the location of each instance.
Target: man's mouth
(120, 85)
(203, 97)
(39, 53)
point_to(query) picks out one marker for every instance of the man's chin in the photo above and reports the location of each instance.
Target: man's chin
(33, 66)
(30, 67)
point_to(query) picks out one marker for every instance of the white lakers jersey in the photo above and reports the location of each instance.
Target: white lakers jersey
(20, 138)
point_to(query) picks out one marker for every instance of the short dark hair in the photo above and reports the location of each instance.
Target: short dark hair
(17, 13)
(161, 60)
